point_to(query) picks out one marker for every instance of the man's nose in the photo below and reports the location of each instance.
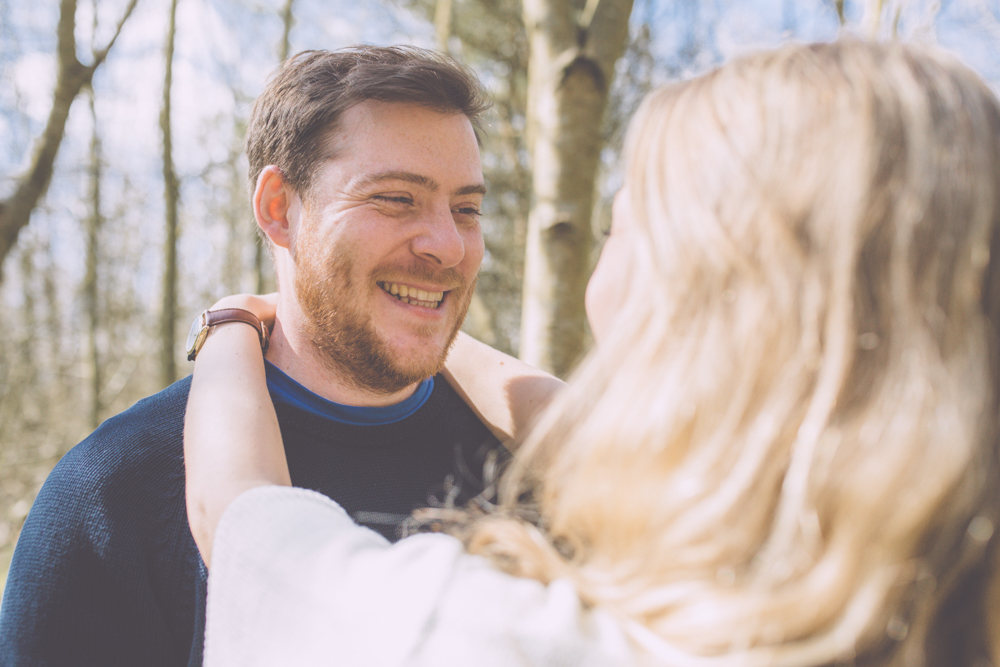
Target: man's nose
(439, 240)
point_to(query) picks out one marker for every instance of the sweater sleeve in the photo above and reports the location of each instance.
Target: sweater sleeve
(295, 581)
(104, 572)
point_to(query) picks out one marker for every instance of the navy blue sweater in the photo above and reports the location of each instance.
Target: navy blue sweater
(106, 572)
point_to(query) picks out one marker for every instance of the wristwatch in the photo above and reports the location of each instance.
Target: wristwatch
(210, 318)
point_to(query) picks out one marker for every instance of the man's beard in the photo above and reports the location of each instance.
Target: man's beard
(341, 329)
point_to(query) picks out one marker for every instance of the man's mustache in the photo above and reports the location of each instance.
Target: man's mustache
(449, 279)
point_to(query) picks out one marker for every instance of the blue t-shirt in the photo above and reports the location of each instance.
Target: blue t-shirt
(286, 390)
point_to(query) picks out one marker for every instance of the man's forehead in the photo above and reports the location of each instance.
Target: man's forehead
(391, 113)
(374, 121)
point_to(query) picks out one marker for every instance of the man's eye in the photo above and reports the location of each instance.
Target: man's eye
(468, 210)
(394, 199)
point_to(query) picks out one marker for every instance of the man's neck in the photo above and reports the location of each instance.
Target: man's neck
(291, 352)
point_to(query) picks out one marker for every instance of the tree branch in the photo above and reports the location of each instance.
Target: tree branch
(99, 56)
(71, 77)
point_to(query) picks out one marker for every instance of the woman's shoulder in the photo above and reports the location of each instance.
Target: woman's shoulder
(519, 621)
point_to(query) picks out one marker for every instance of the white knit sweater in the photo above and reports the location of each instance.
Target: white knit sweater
(294, 581)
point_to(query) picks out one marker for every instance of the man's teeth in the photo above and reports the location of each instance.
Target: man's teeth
(412, 295)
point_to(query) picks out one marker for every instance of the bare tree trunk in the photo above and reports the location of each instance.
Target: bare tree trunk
(171, 194)
(28, 397)
(71, 77)
(570, 71)
(871, 21)
(57, 391)
(287, 21)
(90, 292)
(442, 24)
(262, 283)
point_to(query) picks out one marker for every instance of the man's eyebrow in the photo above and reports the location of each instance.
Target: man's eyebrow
(409, 177)
(417, 179)
(477, 189)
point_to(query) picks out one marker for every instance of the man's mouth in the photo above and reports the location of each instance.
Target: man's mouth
(412, 295)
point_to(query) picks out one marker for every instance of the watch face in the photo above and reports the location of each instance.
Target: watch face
(196, 327)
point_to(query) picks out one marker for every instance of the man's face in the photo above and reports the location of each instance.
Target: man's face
(389, 244)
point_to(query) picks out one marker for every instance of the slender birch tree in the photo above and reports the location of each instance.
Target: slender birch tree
(571, 68)
(171, 196)
(442, 24)
(91, 297)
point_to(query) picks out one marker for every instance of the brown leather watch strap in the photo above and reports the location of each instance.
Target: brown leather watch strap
(225, 315)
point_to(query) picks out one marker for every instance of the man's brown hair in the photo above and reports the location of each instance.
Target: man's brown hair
(302, 102)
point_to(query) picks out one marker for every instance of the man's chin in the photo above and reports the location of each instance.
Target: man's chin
(388, 369)
(419, 369)
(392, 378)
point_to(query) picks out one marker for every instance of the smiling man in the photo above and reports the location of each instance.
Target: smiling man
(383, 246)
(367, 185)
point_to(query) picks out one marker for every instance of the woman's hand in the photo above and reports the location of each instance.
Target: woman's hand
(232, 442)
(505, 393)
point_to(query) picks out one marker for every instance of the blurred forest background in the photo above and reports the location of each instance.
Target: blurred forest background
(123, 205)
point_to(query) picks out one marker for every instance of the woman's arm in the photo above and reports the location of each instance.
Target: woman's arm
(504, 392)
(231, 438)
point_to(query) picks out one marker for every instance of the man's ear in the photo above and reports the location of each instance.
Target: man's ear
(275, 206)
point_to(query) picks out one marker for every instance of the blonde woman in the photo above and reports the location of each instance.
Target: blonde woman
(783, 450)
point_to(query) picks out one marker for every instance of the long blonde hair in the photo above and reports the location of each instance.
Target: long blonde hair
(785, 452)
